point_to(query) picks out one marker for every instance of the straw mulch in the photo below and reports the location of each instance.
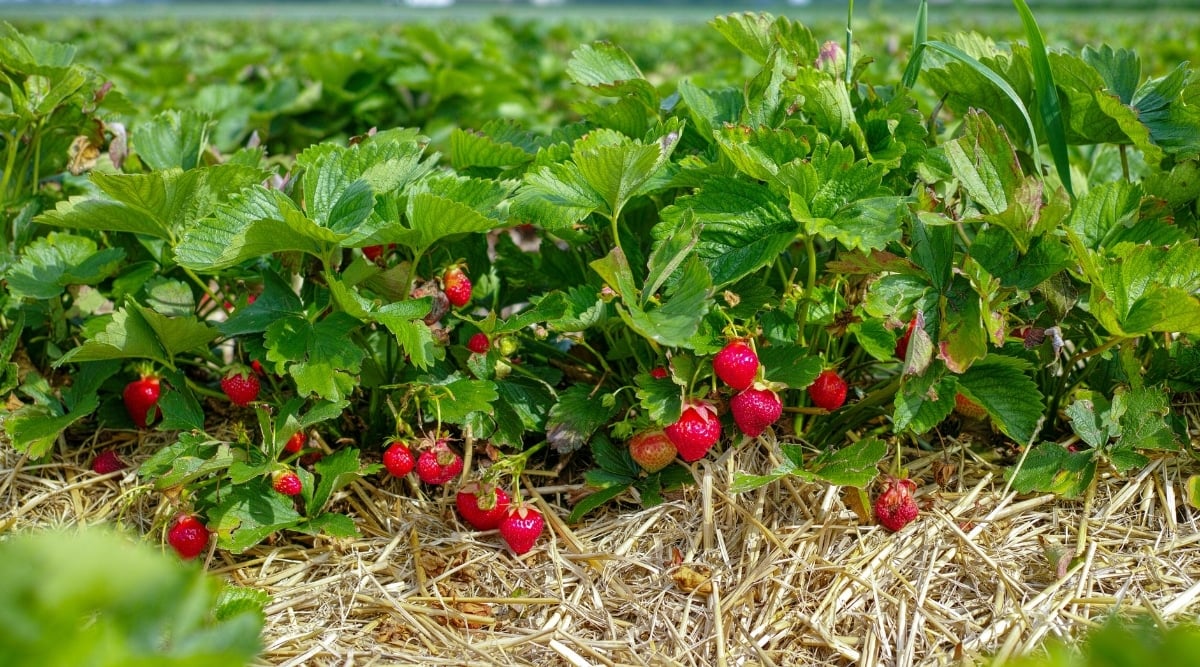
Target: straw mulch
(785, 575)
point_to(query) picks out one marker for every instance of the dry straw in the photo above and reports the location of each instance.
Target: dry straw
(784, 575)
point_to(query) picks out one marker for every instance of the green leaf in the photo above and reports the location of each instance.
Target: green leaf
(522, 406)
(55, 261)
(255, 222)
(495, 145)
(136, 332)
(1012, 95)
(1050, 468)
(1011, 398)
(575, 417)
(180, 409)
(173, 139)
(1142, 288)
(245, 514)
(277, 300)
(1089, 420)
(853, 465)
(143, 607)
(998, 254)
(923, 402)
(749, 32)
(614, 459)
(321, 357)
(1142, 414)
(933, 250)
(403, 318)
(920, 33)
(864, 224)
(662, 400)
(596, 499)
(460, 397)
(743, 227)
(331, 524)
(678, 318)
(985, 162)
(192, 457)
(790, 364)
(335, 472)
(669, 255)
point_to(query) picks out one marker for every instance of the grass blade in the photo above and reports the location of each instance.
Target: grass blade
(920, 34)
(987, 72)
(1047, 96)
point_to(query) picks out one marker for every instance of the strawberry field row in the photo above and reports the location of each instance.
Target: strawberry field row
(397, 243)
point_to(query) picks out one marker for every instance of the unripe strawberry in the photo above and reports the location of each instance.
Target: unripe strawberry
(398, 459)
(241, 387)
(652, 450)
(828, 390)
(896, 507)
(457, 286)
(736, 364)
(696, 430)
(968, 408)
(483, 506)
(288, 483)
(439, 465)
(188, 536)
(107, 461)
(755, 409)
(140, 397)
(479, 343)
(521, 527)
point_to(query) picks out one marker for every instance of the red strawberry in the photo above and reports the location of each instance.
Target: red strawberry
(398, 459)
(736, 364)
(658, 373)
(439, 464)
(755, 409)
(287, 483)
(257, 366)
(696, 431)
(828, 390)
(107, 461)
(141, 396)
(188, 536)
(896, 507)
(457, 286)
(652, 450)
(902, 342)
(521, 527)
(968, 408)
(479, 343)
(241, 387)
(374, 252)
(296, 442)
(483, 506)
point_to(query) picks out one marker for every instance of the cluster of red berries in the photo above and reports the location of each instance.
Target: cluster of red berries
(483, 505)
(755, 407)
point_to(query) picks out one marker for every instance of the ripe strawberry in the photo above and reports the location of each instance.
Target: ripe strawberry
(652, 450)
(658, 373)
(241, 387)
(902, 342)
(296, 442)
(696, 431)
(896, 507)
(439, 464)
(483, 506)
(188, 536)
(479, 343)
(736, 364)
(755, 409)
(457, 286)
(257, 366)
(141, 396)
(968, 408)
(374, 252)
(287, 483)
(107, 461)
(828, 390)
(520, 528)
(398, 459)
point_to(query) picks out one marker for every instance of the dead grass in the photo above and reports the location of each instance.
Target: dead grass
(785, 575)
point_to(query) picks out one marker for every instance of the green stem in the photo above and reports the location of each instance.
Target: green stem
(10, 163)
(204, 391)
(810, 283)
(412, 274)
(1087, 354)
(1124, 161)
(849, 39)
